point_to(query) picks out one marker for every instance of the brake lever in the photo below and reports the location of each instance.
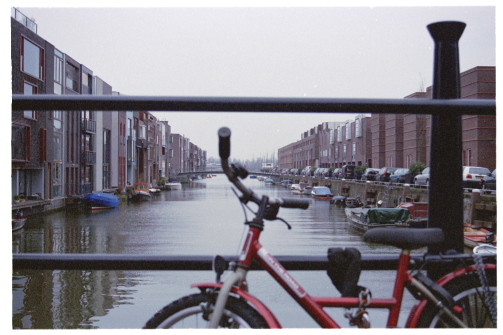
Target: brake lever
(284, 221)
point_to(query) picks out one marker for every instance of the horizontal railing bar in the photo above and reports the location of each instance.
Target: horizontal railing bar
(253, 104)
(33, 261)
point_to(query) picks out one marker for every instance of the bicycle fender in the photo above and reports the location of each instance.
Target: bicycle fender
(416, 311)
(268, 316)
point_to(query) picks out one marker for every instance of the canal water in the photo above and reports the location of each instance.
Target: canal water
(203, 218)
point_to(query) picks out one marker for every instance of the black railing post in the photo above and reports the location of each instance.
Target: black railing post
(446, 182)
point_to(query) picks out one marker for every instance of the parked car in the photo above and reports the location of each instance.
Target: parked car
(306, 171)
(401, 175)
(473, 175)
(337, 174)
(327, 173)
(423, 178)
(489, 182)
(348, 171)
(370, 174)
(385, 173)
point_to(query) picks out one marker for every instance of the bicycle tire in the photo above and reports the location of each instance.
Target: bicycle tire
(467, 293)
(237, 314)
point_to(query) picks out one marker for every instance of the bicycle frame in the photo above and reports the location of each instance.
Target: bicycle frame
(314, 306)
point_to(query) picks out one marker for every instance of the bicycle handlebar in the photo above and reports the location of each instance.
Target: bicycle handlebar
(224, 142)
(224, 149)
(292, 202)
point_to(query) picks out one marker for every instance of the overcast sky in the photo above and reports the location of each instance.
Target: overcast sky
(359, 52)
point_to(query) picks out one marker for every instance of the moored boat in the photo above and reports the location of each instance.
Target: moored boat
(141, 192)
(269, 181)
(173, 184)
(100, 200)
(18, 221)
(338, 200)
(154, 190)
(485, 249)
(363, 219)
(418, 213)
(474, 236)
(321, 193)
(416, 209)
(307, 190)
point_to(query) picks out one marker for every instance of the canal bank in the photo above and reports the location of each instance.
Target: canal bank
(479, 206)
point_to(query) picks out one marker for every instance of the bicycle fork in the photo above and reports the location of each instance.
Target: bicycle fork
(237, 277)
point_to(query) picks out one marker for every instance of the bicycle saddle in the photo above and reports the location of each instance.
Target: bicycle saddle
(405, 238)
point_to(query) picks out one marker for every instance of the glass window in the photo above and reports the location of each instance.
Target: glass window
(32, 59)
(58, 121)
(20, 142)
(87, 83)
(58, 72)
(29, 89)
(106, 146)
(358, 127)
(57, 179)
(72, 75)
(143, 132)
(58, 144)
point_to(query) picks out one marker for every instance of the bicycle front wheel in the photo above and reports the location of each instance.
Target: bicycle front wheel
(468, 294)
(190, 312)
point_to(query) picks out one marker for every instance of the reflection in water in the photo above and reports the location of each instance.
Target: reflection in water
(204, 218)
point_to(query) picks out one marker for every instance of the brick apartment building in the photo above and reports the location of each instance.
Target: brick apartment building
(397, 140)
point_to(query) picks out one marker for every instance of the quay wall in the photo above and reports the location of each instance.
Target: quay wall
(479, 205)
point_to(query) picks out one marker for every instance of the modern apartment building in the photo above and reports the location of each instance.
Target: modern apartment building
(58, 155)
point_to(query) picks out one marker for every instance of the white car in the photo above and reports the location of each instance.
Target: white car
(423, 178)
(473, 175)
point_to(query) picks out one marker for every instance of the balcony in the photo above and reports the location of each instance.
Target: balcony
(88, 126)
(88, 157)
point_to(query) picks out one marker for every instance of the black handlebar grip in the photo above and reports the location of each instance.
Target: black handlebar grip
(224, 142)
(295, 203)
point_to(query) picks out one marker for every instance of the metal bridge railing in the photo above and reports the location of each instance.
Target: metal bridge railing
(446, 184)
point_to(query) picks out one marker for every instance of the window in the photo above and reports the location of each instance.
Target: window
(106, 176)
(57, 179)
(143, 132)
(58, 145)
(87, 83)
(58, 72)
(72, 75)
(29, 89)
(20, 142)
(358, 127)
(348, 131)
(339, 134)
(58, 121)
(32, 59)
(106, 146)
(467, 157)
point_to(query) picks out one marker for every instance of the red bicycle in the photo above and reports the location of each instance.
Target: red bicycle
(465, 297)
